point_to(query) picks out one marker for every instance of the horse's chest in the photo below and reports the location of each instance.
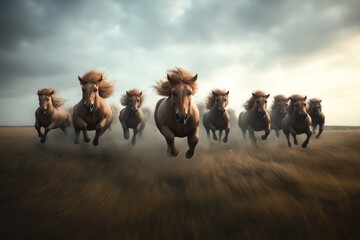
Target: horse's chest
(132, 122)
(45, 121)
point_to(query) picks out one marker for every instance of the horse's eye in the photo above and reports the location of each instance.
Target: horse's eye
(95, 90)
(189, 93)
(137, 100)
(304, 104)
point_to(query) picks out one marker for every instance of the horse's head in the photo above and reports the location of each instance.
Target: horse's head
(45, 102)
(260, 105)
(90, 92)
(281, 106)
(300, 108)
(134, 102)
(221, 102)
(181, 98)
(315, 106)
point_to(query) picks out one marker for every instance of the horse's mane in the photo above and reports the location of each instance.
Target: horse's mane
(57, 102)
(294, 98)
(133, 92)
(278, 98)
(177, 76)
(250, 102)
(210, 101)
(106, 88)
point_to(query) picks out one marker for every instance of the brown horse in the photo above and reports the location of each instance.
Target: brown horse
(317, 116)
(49, 115)
(92, 112)
(217, 118)
(255, 118)
(297, 121)
(132, 116)
(278, 112)
(177, 115)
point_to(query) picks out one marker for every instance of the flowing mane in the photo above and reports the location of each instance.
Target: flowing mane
(210, 101)
(293, 99)
(56, 101)
(250, 102)
(278, 98)
(106, 88)
(133, 92)
(175, 77)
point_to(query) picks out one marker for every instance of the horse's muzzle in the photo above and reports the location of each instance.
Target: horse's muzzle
(181, 118)
(43, 110)
(134, 110)
(262, 114)
(303, 116)
(89, 107)
(221, 111)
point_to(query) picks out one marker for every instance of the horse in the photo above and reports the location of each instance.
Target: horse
(255, 118)
(177, 115)
(317, 116)
(217, 118)
(92, 112)
(297, 121)
(278, 112)
(49, 114)
(132, 116)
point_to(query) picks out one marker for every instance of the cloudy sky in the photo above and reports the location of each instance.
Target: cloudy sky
(280, 46)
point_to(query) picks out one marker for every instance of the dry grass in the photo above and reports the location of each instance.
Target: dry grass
(115, 191)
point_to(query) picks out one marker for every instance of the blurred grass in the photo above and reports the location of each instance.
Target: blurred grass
(227, 191)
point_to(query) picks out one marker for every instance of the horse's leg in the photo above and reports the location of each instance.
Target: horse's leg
(141, 129)
(244, 133)
(207, 132)
(308, 135)
(47, 130)
(99, 128)
(267, 131)
(212, 128)
(227, 131)
(83, 127)
(277, 133)
(251, 133)
(125, 129)
(63, 128)
(77, 135)
(287, 134)
(135, 132)
(169, 137)
(220, 134)
(37, 127)
(314, 128)
(193, 139)
(293, 133)
(321, 129)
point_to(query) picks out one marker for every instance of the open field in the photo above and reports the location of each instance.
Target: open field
(58, 190)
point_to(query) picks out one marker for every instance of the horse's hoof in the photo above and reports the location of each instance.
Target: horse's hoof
(215, 138)
(189, 153)
(303, 145)
(133, 142)
(263, 137)
(86, 139)
(174, 153)
(95, 143)
(225, 140)
(296, 142)
(43, 140)
(126, 137)
(317, 137)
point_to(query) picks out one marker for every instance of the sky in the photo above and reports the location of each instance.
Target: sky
(278, 46)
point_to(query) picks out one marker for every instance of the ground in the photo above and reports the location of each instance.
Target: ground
(59, 190)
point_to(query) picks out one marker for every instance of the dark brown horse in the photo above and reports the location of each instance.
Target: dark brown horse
(217, 118)
(132, 116)
(297, 121)
(255, 118)
(92, 112)
(316, 114)
(177, 115)
(278, 112)
(49, 114)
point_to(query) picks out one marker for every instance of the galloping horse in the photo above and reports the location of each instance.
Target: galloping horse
(255, 118)
(217, 118)
(92, 112)
(297, 121)
(278, 112)
(317, 116)
(177, 115)
(132, 116)
(49, 115)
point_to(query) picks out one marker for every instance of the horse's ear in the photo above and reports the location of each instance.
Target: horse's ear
(213, 92)
(287, 99)
(168, 77)
(227, 93)
(305, 98)
(101, 78)
(127, 93)
(253, 94)
(194, 78)
(291, 99)
(140, 93)
(80, 79)
(52, 92)
(320, 100)
(38, 93)
(267, 96)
